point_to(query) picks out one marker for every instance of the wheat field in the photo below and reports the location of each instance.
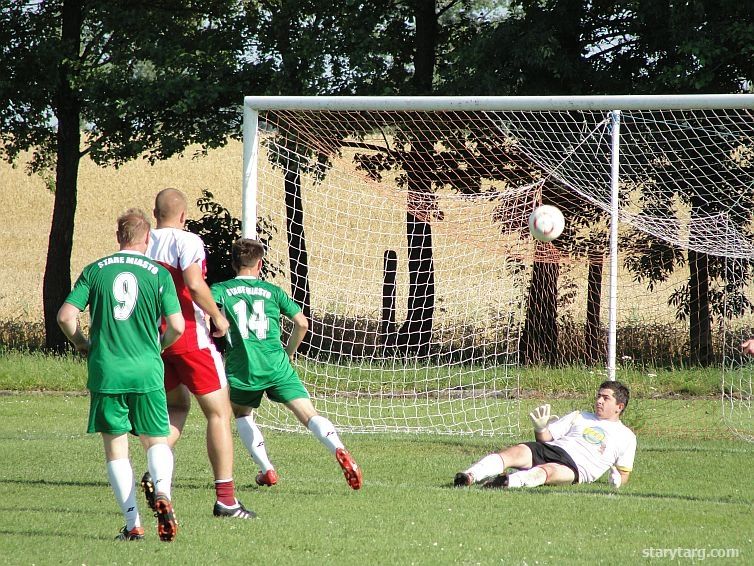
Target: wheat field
(103, 193)
(347, 232)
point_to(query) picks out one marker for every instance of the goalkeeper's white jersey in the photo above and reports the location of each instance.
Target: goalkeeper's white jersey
(594, 444)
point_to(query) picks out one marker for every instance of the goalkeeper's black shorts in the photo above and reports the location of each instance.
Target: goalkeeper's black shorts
(542, 453)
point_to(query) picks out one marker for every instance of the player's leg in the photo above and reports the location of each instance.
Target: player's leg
(160, 470)
(108, 415)
(178, 400)
(544, 474)
(324, 431)
(160, 464)
(121, 477)
(492, 465)
(179, 404)
(216, 409)
(178, 397)
(243, 404)
(204, 375)
(150, 421)
(321, 427)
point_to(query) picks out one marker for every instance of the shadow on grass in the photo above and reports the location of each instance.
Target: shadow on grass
(21, 532)
(550, 491)
(98, 484)
(704, 449)
(28, 482)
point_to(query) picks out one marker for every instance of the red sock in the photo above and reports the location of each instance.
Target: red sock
(225, 492)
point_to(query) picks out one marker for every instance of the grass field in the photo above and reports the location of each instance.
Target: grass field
(687, 495)
(57, 507)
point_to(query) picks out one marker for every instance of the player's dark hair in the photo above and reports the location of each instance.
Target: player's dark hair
(133, 224)
(620, 391)
(246, 253)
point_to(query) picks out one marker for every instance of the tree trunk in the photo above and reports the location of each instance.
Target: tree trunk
(57, 278)
(700, 322)
(539, 340)
(593, 347)
(298, 259)
(425, 56)
(388, 328)
(415, 333)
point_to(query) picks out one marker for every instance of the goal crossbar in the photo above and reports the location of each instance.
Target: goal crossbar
(502, 103)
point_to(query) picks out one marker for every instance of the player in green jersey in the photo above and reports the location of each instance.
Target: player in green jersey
(127, 295)
(256, 362)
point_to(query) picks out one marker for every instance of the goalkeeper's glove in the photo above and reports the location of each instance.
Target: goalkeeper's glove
(615, 478)
(540, 417)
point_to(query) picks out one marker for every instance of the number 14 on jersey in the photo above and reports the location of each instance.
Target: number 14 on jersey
(257, 322)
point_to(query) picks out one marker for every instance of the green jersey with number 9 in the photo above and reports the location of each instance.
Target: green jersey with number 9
(127, 294)
(255, 358)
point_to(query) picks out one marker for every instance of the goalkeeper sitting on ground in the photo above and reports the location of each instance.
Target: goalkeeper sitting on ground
(578, 448)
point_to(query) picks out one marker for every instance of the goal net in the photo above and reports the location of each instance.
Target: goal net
(402, 233)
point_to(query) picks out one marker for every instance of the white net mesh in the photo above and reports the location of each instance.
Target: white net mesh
(403, 236)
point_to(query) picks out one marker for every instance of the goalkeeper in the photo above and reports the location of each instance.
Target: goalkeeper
(257, 364)
(578, 448)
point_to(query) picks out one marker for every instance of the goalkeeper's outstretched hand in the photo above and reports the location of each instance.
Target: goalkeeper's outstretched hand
(540, 417)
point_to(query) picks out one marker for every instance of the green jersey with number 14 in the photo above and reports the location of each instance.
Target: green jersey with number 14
(255, 358)
(127, 294)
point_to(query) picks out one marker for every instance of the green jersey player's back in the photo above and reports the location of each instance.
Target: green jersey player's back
(127, 294)
(254, 358)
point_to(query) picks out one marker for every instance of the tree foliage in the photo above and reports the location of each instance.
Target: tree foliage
(123, 79)
(549, 47)
(116, 80)
(218, 229)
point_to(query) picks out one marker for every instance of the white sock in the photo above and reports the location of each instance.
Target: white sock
(252, 438)
(121, 476)
(488, 467)
(325, 432)
(160, 466)
(528, 478)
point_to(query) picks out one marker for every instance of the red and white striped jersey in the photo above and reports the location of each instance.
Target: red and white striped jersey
(177, 250)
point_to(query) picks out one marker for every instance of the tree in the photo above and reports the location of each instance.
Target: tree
(218, 229)
(311, 44)
(627, 47)
(393, 50)
(546, 48)
(701, 46)
(115, 80)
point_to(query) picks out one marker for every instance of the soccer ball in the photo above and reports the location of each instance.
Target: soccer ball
(546, 223)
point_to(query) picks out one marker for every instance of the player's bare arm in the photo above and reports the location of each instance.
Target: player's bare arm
(68, 320)
(175, 325)
(202, 296)
(300, 327)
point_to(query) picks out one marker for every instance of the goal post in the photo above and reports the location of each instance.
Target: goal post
(402, 230)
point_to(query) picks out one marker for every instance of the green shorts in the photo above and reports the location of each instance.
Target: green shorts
(282, 392)
(118, 413)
